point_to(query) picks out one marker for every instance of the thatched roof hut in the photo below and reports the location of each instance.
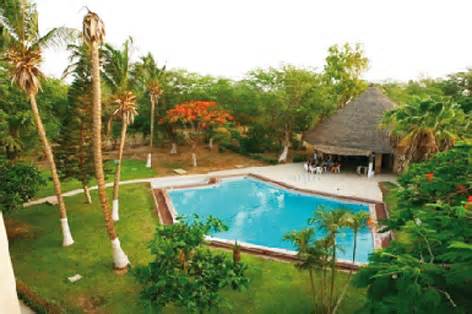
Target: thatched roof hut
(354, 130)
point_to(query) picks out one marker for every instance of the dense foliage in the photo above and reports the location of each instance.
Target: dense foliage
(19, 183)
(185, 272)
(430, 271)
(424, 127)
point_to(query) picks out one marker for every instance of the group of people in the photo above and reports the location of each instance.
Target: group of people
(318, 165)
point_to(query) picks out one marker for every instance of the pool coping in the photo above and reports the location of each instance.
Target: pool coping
(376, 210)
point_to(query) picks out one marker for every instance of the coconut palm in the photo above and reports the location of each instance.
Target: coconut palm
(150, 74)
(118, 74)
(93, 34)
(126, 111)
(424, 127)
(23, 44)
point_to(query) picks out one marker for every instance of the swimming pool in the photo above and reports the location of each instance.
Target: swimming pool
(261, 213)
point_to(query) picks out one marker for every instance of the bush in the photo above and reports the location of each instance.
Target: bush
(300, 158)
(186, 273)
(431, 271)
(19, 183)
(258, 140)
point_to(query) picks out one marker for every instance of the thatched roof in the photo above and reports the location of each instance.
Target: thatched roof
(354, 129)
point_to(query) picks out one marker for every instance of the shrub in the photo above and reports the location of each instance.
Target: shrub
(300, 158)
(186, 273)
(430, 272)
(19, 183)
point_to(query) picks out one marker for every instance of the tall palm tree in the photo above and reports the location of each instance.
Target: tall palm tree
(93, 34)
(150, 74)
(23, 55)
(118, 75)
(424, 127)
(126, 110)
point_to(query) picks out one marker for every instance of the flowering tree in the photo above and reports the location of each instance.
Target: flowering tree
(194, 119)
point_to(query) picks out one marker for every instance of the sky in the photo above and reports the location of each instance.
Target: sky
(403, 39)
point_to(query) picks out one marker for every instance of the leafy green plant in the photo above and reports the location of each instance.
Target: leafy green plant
(431, 272)
(19, 183)
(186, 273)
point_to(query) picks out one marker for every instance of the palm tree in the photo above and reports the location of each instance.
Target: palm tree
(117, 73)
(93, 34)
(424, 127)
(355, 222)
(310, 255)
(126, 110)
(149, 74)
(331, 221)
(23, 56)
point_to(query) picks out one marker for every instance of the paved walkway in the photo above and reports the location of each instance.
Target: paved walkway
(345, 184)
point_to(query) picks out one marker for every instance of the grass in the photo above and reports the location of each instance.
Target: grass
(131, 169)
(390, 196)
(40, 261)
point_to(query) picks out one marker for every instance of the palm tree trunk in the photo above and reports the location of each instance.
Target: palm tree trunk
(66, 234)
(346, 286)
(151, 135)
(88, 197)
(312, 282)
(120, 259)
(333, 275)
(116, 184)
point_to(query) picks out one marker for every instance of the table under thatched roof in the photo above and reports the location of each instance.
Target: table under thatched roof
(354, 130)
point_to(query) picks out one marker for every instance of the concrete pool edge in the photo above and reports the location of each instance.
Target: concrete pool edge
(167, 215)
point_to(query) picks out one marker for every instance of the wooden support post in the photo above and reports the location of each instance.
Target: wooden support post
(378, 163)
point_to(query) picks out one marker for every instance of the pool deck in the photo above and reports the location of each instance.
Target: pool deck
(342, 184)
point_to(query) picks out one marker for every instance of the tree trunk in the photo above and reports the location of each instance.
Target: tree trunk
(88, 197)
(66, 234)
(151, 135)
(333, 275)
(120, 259)
(116, 184)
(194, 155)
(283, 156)
(312, 282)
(173, 150)
(210, 143)
(343, 293)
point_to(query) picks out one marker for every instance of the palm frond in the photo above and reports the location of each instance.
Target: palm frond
(57, 37)
(5, 23)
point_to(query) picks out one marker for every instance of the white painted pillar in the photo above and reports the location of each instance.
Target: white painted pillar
(8, 297)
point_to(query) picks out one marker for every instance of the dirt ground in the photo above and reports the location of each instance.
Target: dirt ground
(208, 160)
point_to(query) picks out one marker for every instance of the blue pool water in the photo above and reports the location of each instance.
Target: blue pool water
(260, 213)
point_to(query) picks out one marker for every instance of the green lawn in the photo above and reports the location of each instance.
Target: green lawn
(391, 199)
(40, 261)
(131, 169)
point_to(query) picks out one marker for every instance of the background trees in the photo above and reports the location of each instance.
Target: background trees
(342, 72)
(24, 45)
(424, 127)
(194, 118)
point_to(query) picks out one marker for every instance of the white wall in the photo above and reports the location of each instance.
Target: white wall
(8, 298)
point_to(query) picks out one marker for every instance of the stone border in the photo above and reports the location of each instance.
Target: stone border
(377, 210)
